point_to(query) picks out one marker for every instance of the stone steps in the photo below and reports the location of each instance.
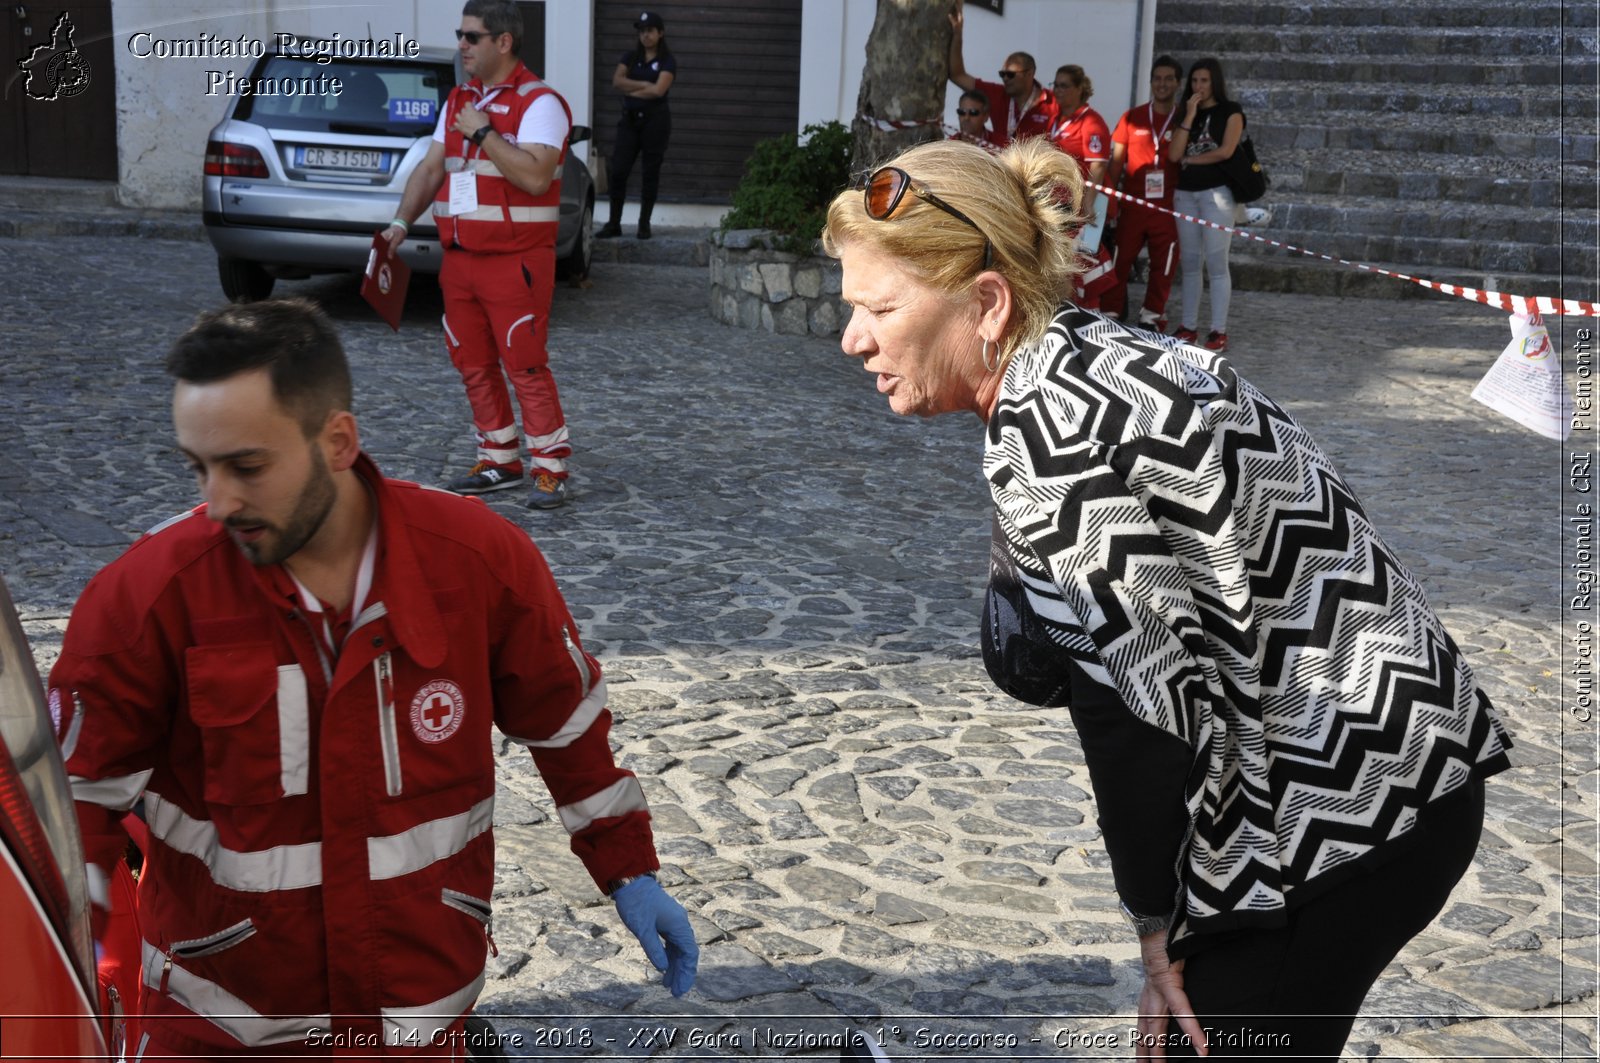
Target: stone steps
(1447, 100)
(1442, 14)
(1454, 140)
(1467, 43)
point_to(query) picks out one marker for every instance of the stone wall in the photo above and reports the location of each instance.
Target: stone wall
(753, 286)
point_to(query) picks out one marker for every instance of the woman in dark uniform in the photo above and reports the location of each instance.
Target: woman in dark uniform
(644, 77)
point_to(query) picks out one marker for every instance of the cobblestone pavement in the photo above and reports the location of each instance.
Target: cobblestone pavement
(783, 582)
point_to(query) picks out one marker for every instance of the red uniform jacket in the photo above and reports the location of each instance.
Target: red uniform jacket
(507, 219)
(320, 854)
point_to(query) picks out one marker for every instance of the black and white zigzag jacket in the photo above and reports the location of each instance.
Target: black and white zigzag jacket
(1179, 536)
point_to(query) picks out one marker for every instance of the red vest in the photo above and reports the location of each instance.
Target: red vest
(507, 219)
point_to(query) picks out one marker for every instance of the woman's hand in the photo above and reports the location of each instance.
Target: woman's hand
(1162, 996)
(1194, 108)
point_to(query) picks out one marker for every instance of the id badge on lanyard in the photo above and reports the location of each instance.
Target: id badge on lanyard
(1155, 184)
(464, 183)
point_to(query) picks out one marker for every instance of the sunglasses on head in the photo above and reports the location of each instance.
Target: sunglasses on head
(1007, 75)
(963, 112)
(473, 36)
(887, 186)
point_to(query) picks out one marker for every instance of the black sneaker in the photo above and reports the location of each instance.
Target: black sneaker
(548, 492)
(483, 478)
(608, 230)
(482, 1040)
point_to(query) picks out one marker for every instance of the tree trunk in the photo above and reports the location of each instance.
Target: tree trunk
(904, 79)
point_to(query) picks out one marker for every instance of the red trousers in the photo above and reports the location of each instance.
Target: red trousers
(1136, 226)
(496, 313)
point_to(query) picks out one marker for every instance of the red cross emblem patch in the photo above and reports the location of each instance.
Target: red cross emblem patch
(436, 711)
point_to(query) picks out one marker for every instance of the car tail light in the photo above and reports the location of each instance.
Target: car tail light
(234, 160)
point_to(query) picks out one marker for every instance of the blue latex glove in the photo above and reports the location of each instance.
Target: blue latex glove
(655, 918)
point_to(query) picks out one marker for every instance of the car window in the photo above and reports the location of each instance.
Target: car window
(403, 99)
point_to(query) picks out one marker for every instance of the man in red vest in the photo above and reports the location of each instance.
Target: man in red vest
(500, 142)
(1139, 154)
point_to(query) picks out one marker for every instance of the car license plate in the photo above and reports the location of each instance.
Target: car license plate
(341, 159)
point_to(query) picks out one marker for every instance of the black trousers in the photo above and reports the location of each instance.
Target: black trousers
(1293, 992)
(645, 131)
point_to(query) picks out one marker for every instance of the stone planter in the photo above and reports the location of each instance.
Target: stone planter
(753, 286)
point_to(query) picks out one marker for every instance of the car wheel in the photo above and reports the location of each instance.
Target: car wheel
(581, 257)
(243, 282)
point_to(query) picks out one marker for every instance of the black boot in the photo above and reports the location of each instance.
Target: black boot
(644, 228)
(608, 230)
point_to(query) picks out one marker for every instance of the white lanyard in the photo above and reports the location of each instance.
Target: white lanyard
(1164, 126)
(313, 606)
(1064, 126)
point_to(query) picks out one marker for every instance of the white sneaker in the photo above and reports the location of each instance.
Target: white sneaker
(1253, 216)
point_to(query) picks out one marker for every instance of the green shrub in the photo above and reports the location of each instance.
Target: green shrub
(788, 182)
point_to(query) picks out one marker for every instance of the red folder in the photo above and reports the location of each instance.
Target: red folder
(385, 282)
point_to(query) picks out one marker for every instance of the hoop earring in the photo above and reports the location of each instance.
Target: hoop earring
(991, 364)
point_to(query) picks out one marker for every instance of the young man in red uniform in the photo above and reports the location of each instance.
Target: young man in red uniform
(298, 679)
(1018, 105)
(1139, 153)
(972, 116)
(500, 141)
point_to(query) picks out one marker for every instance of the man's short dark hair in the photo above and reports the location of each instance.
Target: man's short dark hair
(1169, 62)
(974, 94)
(498, 16)
(290, 338)
(1024, 59)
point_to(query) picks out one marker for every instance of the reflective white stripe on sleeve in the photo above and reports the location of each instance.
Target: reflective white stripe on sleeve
(118, 793)
(427, 843)
(618, 799)
(294, 730)
(426, 1023)
(226, 1011)
(577, 724)
(284, 867)
(74, 729)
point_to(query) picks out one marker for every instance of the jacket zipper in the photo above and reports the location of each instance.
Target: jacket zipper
(383, 675)
(479, 910)
(194, 948)
(577, 659)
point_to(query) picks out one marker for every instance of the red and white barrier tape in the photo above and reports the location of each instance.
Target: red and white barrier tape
(1512, 304)
(889, 125)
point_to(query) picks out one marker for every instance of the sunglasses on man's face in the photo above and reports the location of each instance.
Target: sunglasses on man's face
(472, 37)
(886, 187)
(1007, 75)
(963, 112)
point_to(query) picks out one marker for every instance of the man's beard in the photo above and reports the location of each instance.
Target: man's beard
(310, 511)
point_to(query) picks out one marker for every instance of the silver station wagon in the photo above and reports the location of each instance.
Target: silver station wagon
(297, 184)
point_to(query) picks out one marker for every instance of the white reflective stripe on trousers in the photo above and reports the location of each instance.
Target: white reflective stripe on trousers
(618, 799)
(427, 843)
(283, 867)
(221, 1008)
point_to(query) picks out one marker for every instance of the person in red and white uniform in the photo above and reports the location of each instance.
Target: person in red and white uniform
(500, 141)
(298, 680)
(1079, 131)
(972, 116)
(1140, 168)
(1019, 106)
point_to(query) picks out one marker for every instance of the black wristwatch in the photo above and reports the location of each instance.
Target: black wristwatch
(479, 134)
(1144, 925)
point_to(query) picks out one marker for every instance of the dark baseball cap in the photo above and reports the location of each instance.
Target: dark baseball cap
(649, 20)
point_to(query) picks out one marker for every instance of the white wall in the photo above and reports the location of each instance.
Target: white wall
(163, 112)
(1099, 35)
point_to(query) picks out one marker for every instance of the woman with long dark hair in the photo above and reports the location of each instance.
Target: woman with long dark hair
(644, 76)
(1210, 129)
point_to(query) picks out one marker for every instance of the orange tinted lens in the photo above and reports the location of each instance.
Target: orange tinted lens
(883, 193)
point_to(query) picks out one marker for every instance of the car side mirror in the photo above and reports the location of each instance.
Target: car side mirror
(579, 134)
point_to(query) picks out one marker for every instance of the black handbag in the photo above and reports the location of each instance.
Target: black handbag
(1247, 180)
